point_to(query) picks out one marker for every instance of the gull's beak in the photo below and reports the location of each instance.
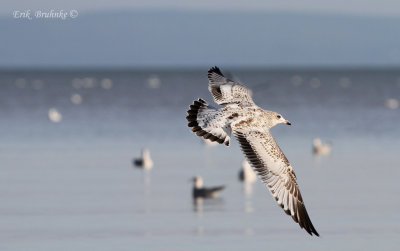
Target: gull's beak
(288, 123)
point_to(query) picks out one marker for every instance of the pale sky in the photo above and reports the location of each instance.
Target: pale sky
(352, 7)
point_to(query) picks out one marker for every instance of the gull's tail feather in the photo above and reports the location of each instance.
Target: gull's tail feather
(213, 191)
(207, 192)
(208, 122)
(216, 189)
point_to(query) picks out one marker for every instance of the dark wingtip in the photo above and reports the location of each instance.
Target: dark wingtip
(306, 223)
(216, 70)
(313, 230)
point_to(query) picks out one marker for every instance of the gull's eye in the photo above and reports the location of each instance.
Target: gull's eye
(278, 116)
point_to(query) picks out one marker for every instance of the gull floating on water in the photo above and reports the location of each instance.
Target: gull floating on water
(246, 173)
(54, 115)
(153, 82)
(392, 103)
(76, 99)
(208, 142)
(144, 161)
(251, 126)
(106, 83)
(204, 192)
(319, 148)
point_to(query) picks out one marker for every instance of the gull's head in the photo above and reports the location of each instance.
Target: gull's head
(276, 118)
(198, 181)
(317, 142)
(145, 153)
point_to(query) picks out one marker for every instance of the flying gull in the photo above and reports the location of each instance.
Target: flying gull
(204, 192)
(251, 127)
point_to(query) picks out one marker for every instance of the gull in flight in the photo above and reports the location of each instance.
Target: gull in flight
(251, 127)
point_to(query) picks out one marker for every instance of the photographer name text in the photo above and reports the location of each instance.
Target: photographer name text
(41, 14)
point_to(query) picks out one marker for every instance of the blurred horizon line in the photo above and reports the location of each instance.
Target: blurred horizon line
(325, 68)
(161, 39)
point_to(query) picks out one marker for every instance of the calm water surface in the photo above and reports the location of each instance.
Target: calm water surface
(71, 185)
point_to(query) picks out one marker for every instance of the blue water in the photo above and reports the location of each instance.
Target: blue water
(71, 185)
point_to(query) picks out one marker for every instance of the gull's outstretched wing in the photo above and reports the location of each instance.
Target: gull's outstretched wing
(209, 123)
(276, 173)
(226, 91)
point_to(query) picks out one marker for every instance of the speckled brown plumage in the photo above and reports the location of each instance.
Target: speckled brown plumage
(251, 127)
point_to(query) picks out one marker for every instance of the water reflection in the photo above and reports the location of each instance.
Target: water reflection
(146, 177)
(198, 205)
(247, 189)
(246, 173)
(320, 160)
(201, 205)
(248, 200)
(249, 231)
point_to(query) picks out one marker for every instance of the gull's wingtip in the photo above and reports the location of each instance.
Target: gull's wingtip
(314, 231)
(216, 70)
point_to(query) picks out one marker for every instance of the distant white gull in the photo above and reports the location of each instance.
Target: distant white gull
(204, 192)
(246, 173)
(153, 82)
(144, 161)
(106, 83)
(54, 115)
(76, 99)
(392, 103)
(251, 126)
(208, 142)
(320, 148)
